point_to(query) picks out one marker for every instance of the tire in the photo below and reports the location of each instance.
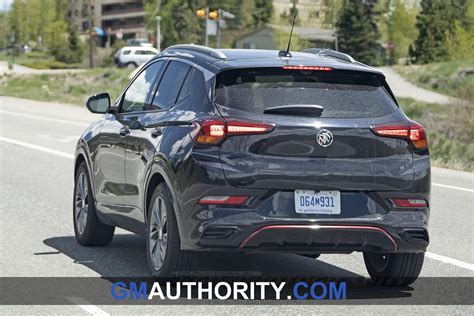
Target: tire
(88, 229)
(131, 65)
(163, 244)
(395, 269)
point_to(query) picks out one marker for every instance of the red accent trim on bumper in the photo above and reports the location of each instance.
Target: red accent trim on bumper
(355, 227)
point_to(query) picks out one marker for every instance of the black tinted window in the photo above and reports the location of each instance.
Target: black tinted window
(170, 85)
(340, 93)
(135, 97)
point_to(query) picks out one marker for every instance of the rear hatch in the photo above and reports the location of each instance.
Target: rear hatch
(338, 107)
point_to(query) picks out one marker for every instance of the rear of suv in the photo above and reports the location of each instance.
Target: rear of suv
(304, 154)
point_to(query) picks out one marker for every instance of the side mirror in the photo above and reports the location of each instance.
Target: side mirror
(99, 103)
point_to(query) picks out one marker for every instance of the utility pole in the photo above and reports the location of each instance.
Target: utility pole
(206, 39)
(158, 33)
(91, 38)
(336, 44)
(219, 19)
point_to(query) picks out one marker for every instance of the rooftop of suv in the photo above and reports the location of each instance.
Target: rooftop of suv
(217, 60)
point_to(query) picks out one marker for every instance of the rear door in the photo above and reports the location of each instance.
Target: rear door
(331, 150)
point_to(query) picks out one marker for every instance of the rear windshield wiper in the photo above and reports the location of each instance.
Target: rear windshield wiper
(296, 109)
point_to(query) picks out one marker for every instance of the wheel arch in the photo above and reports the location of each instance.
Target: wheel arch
(157, 175)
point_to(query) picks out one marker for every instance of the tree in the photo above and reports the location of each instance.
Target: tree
(262, 12)
(401, 29)
(461, 44)
(180, 23)
(436, 24)
(75, 49)
(357, 31)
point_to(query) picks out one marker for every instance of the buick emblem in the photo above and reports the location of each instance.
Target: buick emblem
(324, 138)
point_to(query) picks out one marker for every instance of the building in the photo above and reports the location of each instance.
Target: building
(121, 19)
(311, 13)
(266, 37)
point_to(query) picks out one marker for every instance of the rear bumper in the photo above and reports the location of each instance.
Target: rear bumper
(323, 237)
(310, 236)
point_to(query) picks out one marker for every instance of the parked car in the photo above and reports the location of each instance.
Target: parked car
(139, 42)
(251, 151)
(134, 56)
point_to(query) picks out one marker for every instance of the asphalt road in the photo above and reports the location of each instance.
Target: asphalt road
(37, 142)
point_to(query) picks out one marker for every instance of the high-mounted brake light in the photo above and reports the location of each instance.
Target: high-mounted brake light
(409, 203)
(319, 68)
(213, 131)
(224, 200)
(415, 133)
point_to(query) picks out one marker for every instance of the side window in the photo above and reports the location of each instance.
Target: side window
(170, 85)
(126, 52)
(135, 97)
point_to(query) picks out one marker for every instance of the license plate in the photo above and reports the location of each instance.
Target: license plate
(322, 202)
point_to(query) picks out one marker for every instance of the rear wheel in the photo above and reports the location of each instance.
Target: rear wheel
(164, 253)
(88, 229)
(394, 269)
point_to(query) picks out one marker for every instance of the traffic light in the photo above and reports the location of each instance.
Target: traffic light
(201, 13)
(214, 15)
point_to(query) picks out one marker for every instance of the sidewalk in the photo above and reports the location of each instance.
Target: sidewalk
(405, 89)
(22, 70)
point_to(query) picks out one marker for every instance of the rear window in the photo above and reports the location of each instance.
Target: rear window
(342, 94)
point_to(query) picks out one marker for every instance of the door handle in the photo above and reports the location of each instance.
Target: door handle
(156, 132)
(124, 131)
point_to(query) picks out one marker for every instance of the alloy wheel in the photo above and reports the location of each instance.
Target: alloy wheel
(81, 202)
(158, 233)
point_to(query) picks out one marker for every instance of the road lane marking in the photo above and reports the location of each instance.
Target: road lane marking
(449, 260)
(45, 118)
(88, 307)
(36, 147)
(452, 187)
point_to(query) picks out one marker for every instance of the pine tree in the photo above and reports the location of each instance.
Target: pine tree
(75, 49)
(180, 23)
(357, 31)
(436, 23)
(262, 12)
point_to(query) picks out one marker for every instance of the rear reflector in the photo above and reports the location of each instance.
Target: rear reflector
(224, 200)
(318, 68)
(414, 133)
(409, 203)
(213, 131)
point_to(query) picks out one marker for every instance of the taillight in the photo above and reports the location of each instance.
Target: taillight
(224, 200)
(318, 68)
(213, 131)
(415, 133)
(409, 203)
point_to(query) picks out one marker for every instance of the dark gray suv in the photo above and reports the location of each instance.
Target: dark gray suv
(252, 150)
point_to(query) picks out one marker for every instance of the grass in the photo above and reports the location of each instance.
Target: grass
(450, 131)
(445, 77)
(65, 88)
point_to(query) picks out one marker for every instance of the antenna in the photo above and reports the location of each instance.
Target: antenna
(287, 53)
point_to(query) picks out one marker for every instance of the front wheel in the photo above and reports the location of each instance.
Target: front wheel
(394, 269)
(163, 243)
